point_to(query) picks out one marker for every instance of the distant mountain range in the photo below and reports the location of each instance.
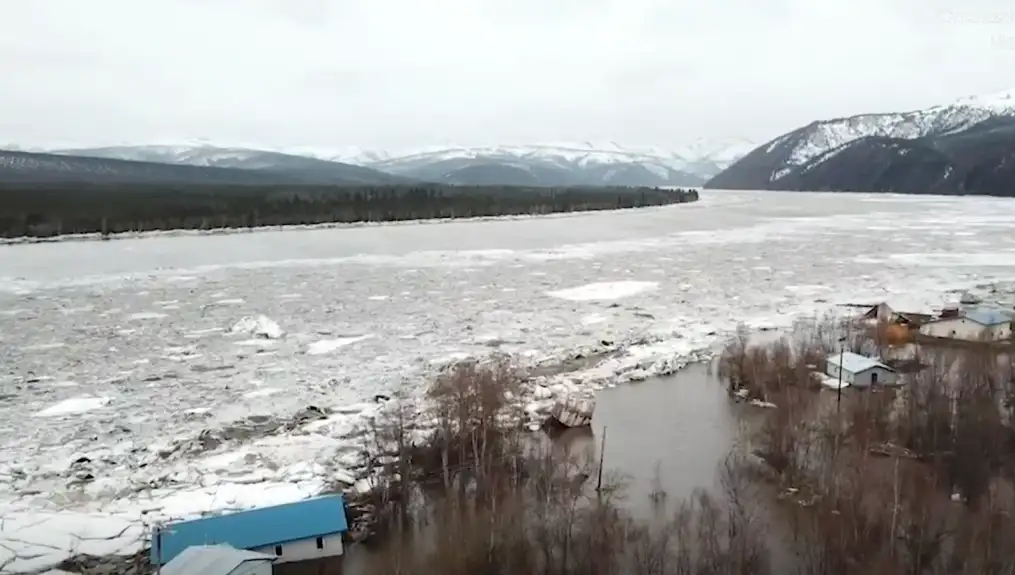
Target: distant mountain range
(964, 147)
(562, 164)
(262, 168)
(536, 165)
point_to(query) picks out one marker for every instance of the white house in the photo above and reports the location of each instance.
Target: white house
(859, 371)
(977, 324)
(218, 560)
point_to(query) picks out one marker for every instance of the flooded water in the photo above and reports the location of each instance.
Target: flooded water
(669, 432)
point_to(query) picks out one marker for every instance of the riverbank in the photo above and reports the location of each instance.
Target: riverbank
(98, 236)
(82, 210)
(642, 424)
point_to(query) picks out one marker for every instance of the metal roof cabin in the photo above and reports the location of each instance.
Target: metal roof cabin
(300, 531)
(989, 317)
(858, 370)
(218, 560)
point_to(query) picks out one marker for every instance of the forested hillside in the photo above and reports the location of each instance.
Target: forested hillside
(44, 210)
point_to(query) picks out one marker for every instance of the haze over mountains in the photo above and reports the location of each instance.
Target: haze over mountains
(963, 147)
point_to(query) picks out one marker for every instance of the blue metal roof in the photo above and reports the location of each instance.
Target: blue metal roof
(987, 316)
(855, 363)
(307, 519)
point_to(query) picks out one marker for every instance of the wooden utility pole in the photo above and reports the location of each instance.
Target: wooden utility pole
(602, 453)
(838, 388)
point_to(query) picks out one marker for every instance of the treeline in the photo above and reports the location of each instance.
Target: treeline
(45, 210)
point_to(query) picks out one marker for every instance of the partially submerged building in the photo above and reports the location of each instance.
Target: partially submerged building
(294, 532)
(858, 370)
(973, 324)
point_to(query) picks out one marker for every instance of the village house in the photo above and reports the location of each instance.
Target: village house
(883, 313)
(218, 560)
(974, 324)
(859, 371)
(306, 530)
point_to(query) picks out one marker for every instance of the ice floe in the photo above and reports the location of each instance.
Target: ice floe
(143, 315)
(329, 345)
(258, 326)
(74, 405)
(604, 290)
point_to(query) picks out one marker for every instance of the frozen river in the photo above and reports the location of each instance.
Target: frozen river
(123, 389)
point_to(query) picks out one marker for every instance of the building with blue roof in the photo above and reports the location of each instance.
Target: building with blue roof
(972, 324)
(300, 531)
(859, 370)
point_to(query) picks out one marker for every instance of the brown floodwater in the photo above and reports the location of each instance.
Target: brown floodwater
(677, 429)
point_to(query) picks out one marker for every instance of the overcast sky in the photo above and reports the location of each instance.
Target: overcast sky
(401, 73)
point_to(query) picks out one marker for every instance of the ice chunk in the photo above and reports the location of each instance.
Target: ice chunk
(263, 392)
(604, 290)
(74, 405)
(259, 326)
(329, 345)
(147, 315)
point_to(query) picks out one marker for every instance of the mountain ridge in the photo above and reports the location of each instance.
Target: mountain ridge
(551, 164)
(868, 152)
(34, 167)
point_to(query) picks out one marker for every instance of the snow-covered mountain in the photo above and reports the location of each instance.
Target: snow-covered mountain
(784, 162)
(539, 164)
(563, 163)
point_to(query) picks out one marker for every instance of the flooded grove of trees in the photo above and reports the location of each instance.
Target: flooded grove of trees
(915, 478)
(912, 479)
(53, 209)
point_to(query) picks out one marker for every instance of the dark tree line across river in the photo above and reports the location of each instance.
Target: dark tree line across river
(45, 210)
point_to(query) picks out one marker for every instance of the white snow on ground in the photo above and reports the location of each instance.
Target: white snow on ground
(74, 405)
(604, 290)
(181, 384)
(831, 382)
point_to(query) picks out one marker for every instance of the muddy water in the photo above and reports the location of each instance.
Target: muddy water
(677, 428)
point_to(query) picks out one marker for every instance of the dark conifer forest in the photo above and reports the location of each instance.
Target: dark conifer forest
(50, 209)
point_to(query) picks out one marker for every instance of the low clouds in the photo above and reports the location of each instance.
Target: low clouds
(402, 73)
